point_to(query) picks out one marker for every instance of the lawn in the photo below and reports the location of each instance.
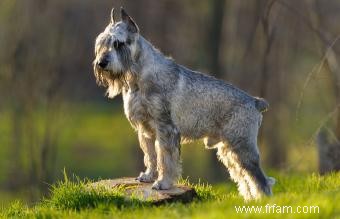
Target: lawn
(318, 195)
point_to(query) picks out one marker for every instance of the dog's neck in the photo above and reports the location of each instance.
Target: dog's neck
(148, 58)
(149, 55)
(143, 62)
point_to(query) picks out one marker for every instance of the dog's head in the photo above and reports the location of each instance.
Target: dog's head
(115, 51)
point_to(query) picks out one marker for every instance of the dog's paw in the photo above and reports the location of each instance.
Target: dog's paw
(146, 177)
(162, 185)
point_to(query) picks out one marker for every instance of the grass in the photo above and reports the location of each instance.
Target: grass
(74, 199)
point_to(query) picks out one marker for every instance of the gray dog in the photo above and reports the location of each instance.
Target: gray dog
(168, 104)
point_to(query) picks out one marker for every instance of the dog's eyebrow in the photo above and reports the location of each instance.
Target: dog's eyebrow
(101, 39)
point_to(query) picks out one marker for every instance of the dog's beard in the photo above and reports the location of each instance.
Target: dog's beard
(113, 81)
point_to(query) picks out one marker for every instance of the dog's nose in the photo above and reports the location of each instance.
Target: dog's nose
(103, 63)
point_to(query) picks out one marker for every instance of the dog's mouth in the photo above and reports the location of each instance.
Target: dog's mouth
(104, 76)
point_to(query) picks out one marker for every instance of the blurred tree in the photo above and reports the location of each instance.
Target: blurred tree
(329, 152)
(215, 37)
(273, 139)
(214, 45)
(33, 86)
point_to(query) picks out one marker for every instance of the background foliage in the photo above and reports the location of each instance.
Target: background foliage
(52, 114)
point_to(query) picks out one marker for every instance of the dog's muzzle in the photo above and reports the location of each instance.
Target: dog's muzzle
(102, 63)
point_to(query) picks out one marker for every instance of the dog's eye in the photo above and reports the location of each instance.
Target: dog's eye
(117, 44)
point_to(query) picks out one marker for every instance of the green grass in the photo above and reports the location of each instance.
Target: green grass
(74, 199)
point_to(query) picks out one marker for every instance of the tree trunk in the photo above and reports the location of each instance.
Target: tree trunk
(214, 37)
(329, 153)
(214, 45)
(276, 152)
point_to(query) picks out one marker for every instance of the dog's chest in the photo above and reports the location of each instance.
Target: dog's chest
(135, 108)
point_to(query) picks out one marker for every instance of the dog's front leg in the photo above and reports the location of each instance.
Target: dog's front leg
(168, 157)
(150, 158)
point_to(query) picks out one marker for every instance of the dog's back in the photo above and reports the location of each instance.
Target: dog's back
(201, 104)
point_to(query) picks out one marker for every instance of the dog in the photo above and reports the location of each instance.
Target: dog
(169, 104)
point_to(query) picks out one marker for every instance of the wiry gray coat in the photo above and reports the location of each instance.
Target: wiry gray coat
(169, 104)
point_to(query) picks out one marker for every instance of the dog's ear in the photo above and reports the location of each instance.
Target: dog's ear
(132, 26)
(112, 21)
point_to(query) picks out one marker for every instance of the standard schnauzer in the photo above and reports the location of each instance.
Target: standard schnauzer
(169, 104)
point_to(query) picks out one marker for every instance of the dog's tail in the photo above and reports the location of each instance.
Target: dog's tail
(261, 104)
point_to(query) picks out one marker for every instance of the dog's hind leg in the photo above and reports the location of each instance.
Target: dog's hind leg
(226, 157)
(147, 144)
(168, 156)
(242, 161)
